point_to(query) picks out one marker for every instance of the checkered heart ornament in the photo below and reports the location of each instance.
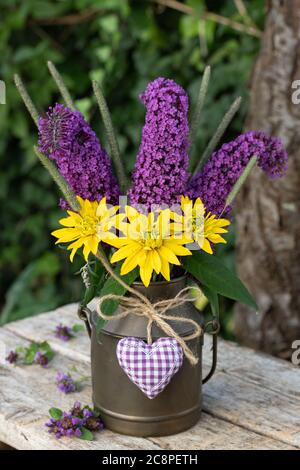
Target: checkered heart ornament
(150, 366)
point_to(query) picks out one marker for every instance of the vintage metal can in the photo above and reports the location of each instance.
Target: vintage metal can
(123, 406)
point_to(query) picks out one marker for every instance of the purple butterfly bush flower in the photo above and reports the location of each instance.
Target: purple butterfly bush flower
(65, 383)
(67, 138)
(215, 181)
(161, 171)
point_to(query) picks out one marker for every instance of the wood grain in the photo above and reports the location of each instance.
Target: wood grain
(253, 401)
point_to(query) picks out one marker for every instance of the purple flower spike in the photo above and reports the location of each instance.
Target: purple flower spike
(215, 181)
(67, 139)
(161, 170)
(65, 383)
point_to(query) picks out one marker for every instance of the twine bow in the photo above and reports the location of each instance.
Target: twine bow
(140, 305)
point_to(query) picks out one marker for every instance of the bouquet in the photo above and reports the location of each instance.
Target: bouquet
(168, 219)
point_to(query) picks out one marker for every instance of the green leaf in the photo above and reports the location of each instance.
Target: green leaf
(44, 346)
(213, 299)
(111, 286)
(49, 355)
(46, 349)
(211, 272)
(77, 327)
(29, 356)
(86, 435)
(55, 413)
(30, 352)
(89, 294)
(34, 346)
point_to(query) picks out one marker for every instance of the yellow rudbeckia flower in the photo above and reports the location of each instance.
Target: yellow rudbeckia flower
(88, 227)
(202, 228)
(148, 244)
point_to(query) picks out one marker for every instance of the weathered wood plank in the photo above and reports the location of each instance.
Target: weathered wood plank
(253, 407)
(260, 369)
(27, 392)
(41, 328)
(273, 374)
(242, 362)
(212, 433)
(250, 391)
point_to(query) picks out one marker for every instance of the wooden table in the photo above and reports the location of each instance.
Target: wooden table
(252, 402)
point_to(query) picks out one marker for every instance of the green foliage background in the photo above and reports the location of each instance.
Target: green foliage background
(123, 44)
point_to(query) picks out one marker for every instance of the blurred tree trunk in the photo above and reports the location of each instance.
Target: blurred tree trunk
(268, 245)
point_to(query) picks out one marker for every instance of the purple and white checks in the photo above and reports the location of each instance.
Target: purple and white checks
(150, 367)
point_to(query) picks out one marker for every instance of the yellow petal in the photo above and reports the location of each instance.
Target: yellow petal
(125, 251)
(177, 249)
(185, 200)
(66, 234)
(155, 261)
(80, 200)
(93, 242)
(129, 264)
(67, 222)
(178, 218)
(146, 272)
(141, 257)
(102, 208)
(131, 213)
(181, 239)
(76, 244)
(116, 221)
(86, 252)
(117, 242)
(220, 230)
(198, 202)
(177, 227)
(215, 238)
(76, 217)
(206, 247)
(165, 269)
(168, 255)
(74, 247)
(222, 222)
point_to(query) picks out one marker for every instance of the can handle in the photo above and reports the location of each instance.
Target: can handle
(83, 313)
(214, 323)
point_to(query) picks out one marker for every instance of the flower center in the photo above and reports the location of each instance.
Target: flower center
(151, 240)
(88, 225)
(152, 244)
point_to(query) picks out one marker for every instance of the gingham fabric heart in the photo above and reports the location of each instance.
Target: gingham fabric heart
(150, 367)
